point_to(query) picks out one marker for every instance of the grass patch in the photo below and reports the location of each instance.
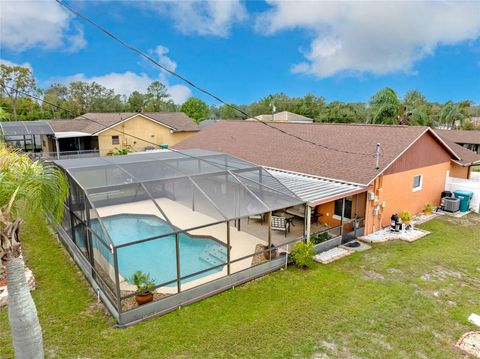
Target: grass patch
(396, 300)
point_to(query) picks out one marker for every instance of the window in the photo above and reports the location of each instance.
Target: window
(417, 183)
(115, 140)
(348, 208)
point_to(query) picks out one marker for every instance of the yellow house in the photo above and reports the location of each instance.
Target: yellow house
(103, 132)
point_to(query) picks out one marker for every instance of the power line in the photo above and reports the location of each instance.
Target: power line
(71, 112)
(190, 83)
(101, 124)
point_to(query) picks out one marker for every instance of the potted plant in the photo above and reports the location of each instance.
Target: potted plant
(144, 285)
(273, 251)
(428, 209)
(406, 217)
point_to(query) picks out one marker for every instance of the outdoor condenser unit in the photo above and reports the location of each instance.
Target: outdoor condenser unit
(451, 204)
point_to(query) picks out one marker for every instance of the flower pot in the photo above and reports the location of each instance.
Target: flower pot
(144, 298)
(427, 212)
(274, 253)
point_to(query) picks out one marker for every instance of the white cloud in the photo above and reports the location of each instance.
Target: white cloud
(375, 37)
(10, 63)
(163, 59)
(126, 82)
(208, 17)
(38, 24)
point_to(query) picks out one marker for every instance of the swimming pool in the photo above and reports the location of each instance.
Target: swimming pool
(158, 257)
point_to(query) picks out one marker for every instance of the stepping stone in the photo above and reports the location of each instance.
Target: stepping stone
(332, 255)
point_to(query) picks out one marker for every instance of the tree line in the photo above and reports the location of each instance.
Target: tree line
(79, 97)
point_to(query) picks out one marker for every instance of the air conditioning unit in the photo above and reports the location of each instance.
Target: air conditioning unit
(451, 204)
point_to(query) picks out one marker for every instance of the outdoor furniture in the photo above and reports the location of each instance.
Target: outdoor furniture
(281, 224)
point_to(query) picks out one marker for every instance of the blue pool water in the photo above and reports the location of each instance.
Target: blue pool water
(158, 256)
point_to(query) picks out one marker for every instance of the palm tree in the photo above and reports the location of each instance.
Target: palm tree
(387, 108)
(453, 113)
(25, 187)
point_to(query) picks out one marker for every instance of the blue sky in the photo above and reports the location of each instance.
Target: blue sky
(243, 51)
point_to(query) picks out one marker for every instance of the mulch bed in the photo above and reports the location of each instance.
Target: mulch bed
(259, 257)
(130, 303)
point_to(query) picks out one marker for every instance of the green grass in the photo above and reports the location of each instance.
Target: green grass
(396, 300)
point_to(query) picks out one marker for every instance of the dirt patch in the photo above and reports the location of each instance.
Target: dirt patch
(394, 270)
(371, 275)
(441, 273)
(469, 220)
(332, 350)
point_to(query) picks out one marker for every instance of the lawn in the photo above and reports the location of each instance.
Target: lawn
(397, 300)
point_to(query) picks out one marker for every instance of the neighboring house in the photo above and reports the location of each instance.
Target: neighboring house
(413, 164)
(100, 133)
(283, 116)
(467, 139)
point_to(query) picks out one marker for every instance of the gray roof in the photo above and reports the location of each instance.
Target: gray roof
(217, 185)
(25, 128)
(315, 190)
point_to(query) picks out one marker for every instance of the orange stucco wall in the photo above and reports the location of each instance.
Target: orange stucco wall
(459, 171)
(327, 211)
(394, 193)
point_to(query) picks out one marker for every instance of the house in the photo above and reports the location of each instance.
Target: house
(126, 129)
(467, 139)
(284, 116)
(99, 133)
(409, 171)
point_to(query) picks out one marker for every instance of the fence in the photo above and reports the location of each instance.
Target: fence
(455, 184)
(65, 154)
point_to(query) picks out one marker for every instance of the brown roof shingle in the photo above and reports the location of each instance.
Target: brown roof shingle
(255, 142)
(460, 136)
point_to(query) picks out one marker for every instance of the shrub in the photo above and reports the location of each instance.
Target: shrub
(302, 254)
(428, 207)
(405, 216)
(319, 238)
(121, 151)
(143, 282)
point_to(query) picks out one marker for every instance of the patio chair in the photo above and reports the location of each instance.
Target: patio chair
(280, 224)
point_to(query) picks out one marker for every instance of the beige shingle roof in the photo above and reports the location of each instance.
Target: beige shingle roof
(177, 121)
(263, 145)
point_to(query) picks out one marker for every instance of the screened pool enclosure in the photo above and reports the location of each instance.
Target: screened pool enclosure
(178, 216)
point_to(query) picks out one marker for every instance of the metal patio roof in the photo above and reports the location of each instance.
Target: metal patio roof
(315, 190)
(25, 128)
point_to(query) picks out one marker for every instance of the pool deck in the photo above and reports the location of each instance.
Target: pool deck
(242, 243)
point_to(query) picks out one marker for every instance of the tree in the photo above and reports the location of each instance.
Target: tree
(92, 97)
(453, 113)
(385, 106)
(56, 98)
(339, 112)
(136, 102)
(25, 187)
(195, 108)
(17, 78)
(228, 113)
(157, 97)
